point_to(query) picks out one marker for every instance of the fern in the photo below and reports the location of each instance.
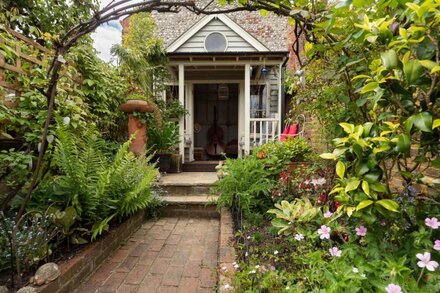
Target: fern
(99, 187)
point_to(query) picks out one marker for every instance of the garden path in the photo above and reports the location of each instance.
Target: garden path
(172, 254)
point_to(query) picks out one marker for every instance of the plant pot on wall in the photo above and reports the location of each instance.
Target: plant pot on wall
(135, 125)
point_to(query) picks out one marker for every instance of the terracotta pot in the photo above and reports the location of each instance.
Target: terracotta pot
(136, 106)
(135, 125)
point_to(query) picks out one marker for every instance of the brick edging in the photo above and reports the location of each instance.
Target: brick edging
(77, 269)
(226, 249)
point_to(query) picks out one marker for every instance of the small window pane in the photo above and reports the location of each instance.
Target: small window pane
(215, 42)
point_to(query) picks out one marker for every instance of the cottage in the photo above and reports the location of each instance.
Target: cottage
(228, 72)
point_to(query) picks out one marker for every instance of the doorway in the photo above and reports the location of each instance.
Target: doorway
(215, 121)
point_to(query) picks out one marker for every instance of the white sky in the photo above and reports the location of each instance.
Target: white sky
(106, 36)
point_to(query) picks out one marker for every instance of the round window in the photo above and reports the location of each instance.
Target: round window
(216, 42)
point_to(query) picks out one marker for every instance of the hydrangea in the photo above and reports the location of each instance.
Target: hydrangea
(334, 251)
(393, 288)
(361, 231)
(432, 223)
(426, 262)
(324, 232)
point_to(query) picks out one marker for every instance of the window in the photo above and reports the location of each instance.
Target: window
(216, 42)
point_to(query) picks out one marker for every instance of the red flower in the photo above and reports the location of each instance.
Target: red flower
(337, 204)
(260, 155)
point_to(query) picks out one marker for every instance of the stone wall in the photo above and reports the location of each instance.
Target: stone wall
(271, 30)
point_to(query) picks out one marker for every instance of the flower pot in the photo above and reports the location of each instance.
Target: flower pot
(163, 162)
(175, 163)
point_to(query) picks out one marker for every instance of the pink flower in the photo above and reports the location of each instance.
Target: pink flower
(324, 232)
(437, 245)
(334, 251)
(426, 262)
(328, 214)
(432, 223)
(299, 237)
(361, 231)
(393, 288)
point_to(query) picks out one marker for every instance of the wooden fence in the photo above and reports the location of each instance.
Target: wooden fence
(26, 55)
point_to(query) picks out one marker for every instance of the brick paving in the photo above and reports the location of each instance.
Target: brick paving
(168, 255)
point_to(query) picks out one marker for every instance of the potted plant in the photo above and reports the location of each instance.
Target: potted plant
(163, 141)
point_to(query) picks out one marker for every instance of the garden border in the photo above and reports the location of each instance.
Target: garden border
(226, 256)
(74, 271)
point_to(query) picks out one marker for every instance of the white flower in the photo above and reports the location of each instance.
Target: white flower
(224, 269)
(66, 120)
(355, 270)
(324, 232)
(257, 267)
(432, 223)
(393, 288)
(299, 237)
(287, 288)
(235, 265)
(363, 275)
(252, 272)
(275, 252)
(426, 262)
(246, 254)
(227, 286)
(328, 214)
(249, 237)
(334, 251)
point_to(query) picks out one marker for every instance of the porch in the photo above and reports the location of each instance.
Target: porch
(250, 84)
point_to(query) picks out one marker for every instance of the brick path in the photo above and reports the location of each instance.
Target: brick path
(169, 255)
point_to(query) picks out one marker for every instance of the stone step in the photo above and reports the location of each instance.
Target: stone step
(192, 206)
(200, 166)
(188, 183)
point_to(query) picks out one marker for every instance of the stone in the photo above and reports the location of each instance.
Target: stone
(27, 289)
(4, 289)
(46, 273)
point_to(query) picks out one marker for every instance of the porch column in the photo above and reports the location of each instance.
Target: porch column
(247, 106)
(280, 96)
(182, 119)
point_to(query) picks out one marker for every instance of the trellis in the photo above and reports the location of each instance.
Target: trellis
(23, 60)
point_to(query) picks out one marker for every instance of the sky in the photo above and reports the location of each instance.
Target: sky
(106, 36)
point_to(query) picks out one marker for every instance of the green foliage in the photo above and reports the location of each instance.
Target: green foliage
(47, 16)
(97, 187)
(277, 154)
(295, 213)
(164, 139)
(246, 185)
(142, 56)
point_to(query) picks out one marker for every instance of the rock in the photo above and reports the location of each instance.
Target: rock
(4, 289)
(46, 273)
(27, 289)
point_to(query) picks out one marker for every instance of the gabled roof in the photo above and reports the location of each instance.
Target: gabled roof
(248, 38)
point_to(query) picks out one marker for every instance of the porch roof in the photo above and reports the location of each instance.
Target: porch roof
(223, 65)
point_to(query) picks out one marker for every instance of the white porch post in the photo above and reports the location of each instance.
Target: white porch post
(182, 119)
(247, 106)
(280, 116)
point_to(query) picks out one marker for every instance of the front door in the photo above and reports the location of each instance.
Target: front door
(215, 121)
